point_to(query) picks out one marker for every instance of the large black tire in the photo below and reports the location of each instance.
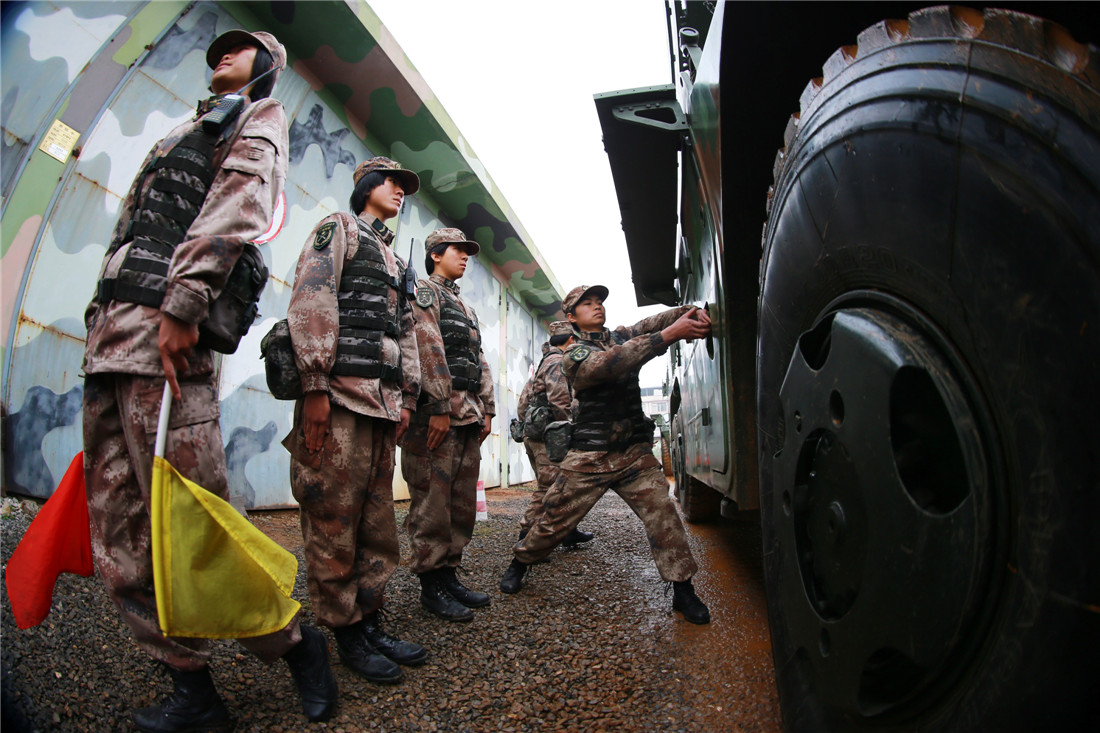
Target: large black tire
(698, 502)
(927, 389)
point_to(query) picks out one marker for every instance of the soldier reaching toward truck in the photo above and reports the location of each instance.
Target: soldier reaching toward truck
(611, 445)
(546, 398)
(351, 324)
(441, 452)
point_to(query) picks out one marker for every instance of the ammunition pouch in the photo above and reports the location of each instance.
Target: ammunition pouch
(558, 436)
(234, 311)
(515, 429)
(277, 351)
(537, 420)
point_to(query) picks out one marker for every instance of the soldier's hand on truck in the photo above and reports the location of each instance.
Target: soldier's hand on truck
(692, 325)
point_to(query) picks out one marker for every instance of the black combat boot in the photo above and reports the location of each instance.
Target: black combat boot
(194, 705)
(468, 598)
(435, 599)
(359, 656)
(402, 652)
(308, 662)
(576, 537)
(513, 575)
(686, 602)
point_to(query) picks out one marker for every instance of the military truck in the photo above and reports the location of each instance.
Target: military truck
(902, 377)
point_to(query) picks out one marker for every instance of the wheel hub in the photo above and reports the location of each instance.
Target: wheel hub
(883, 510)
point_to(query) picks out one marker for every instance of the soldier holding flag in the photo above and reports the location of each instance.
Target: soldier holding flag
(204, 191)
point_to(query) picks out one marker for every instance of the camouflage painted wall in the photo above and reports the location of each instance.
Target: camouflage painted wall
(356, 96)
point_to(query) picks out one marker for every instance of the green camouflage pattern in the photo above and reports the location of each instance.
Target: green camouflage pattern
(122, 74)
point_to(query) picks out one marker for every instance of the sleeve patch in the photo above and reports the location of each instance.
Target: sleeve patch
(580, 353)
(424, 296)
(324, 235)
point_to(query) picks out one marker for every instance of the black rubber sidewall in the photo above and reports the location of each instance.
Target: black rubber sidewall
(989, 226)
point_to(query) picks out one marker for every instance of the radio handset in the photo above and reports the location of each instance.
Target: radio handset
(228, 108)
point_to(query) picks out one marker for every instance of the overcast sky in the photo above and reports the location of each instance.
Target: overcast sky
(518, 78)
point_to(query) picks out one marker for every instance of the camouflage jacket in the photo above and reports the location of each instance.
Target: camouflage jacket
(595, 358)
(122, 336)
(548, 379)
(437, 397)
(314, 320)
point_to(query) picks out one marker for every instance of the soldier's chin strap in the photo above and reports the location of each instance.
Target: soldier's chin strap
(272, 70)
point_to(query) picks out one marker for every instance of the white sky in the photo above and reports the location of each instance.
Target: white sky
(518, 78)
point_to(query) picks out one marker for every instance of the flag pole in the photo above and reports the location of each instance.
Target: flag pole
(160, 550)
(162, 423)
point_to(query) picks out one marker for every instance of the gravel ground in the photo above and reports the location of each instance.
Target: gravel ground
(589, 644)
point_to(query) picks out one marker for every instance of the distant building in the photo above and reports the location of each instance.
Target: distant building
(89, 87)
(655, 402)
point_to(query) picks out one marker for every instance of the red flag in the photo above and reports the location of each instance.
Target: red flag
(58, 541)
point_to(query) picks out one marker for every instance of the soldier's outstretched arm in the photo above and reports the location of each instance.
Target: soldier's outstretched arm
(585, 367)
(658, 322)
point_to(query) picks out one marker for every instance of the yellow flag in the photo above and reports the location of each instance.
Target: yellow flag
(216, 576)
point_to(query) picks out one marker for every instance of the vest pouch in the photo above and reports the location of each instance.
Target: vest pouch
(558, 436)
(236, 308)
(277, 351)
(537, 420)
(515, 429)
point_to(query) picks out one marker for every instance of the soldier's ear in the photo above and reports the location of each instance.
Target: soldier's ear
(571, 317)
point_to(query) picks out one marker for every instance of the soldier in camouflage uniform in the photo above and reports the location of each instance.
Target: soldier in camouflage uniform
(612, 442)
(546, 398)
(200, 196)
(351, 324)
(441, 452)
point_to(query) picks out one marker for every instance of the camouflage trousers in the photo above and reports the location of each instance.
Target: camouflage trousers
(120, 425)
(546, 473)
(443, 488)
(644, 488)
(346, 510)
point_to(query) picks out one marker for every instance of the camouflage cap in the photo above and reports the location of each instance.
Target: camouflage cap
(440, 239)
(231, 39)
(561, 328)
(574, 296)
(410, 182)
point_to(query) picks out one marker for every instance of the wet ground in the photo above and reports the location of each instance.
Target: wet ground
(589, 644)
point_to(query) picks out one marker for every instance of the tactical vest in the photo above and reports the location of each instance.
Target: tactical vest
(158, 224)
(461, 343)
(606, 406)
(366, 316)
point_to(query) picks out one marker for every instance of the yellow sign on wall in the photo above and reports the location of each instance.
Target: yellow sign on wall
(59, 141)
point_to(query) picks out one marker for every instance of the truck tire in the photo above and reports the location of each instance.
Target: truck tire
(928, 359)
(698, 502)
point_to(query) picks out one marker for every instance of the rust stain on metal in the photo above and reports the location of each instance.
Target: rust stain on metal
(26, 320)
